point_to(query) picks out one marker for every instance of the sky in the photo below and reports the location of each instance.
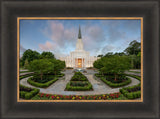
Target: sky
(60, 36)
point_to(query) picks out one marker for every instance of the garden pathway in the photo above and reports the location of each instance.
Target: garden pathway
(99, 87)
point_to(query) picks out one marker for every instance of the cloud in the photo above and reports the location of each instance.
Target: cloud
(108, 36)
(22, 49)
(58, 34)
(48, 46)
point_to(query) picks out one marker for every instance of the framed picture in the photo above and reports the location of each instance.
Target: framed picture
(80, 59)
(113, 72)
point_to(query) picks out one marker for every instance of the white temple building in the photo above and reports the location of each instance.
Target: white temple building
(79, 58)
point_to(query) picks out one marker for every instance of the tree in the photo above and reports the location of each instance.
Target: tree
(115, 65)
(47, 55)
(26, 64)
(41, 66)
(134, 48)
(100, 56)
(58, 65)
(30, 56)
(98, 64)
(109, 54)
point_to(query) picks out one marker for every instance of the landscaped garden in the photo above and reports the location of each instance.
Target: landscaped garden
(79, 82)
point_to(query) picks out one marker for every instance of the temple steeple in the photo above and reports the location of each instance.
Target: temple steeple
(79, 45)
(79, 34)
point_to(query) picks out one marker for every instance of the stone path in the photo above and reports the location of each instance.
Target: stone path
(25, 73)
(99, 87)
(132, 73)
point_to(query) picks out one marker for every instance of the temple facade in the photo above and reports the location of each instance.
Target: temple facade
(79, 58)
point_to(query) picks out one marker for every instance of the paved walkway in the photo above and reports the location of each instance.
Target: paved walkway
(99, 87)
(132, 73)
(25, 73)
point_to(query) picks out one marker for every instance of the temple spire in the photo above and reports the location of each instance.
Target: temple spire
(79, 34)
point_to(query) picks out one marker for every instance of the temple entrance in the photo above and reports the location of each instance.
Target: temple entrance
(79, 63)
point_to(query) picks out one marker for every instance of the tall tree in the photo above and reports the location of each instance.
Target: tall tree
(41, 66)
(115, 65)
(30, 56)
(47, 55)
(134, 48)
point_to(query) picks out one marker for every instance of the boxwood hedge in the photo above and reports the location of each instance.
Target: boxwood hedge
(28, 95)
(78, 88)
(114, 85)
(132, 95)
(41, 85)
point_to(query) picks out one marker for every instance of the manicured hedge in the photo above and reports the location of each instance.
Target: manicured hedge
(134, 76)
(41, 85)
(78, 76)
(28, 95)
(60, 75)
(24, 76)
(78, 88)
(132, 95)
(114, 85)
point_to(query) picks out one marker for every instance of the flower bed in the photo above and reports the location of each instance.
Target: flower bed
(79, 82)
(27, 93)
(113, 96)
(41, 85)
(132, 92)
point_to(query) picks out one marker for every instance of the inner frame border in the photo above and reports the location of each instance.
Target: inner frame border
(78, 18)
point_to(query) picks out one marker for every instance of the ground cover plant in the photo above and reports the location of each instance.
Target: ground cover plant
(78, 82)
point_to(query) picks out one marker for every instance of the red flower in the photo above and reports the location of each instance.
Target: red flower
(53, 97)
(47, 95)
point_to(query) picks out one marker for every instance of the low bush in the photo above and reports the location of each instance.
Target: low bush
(134, 76)
(45, 78)
(28, 94)
(69, 87)
(60, 75)
(41, 85)
(131, 94)
(78, 76)
(79, 83)
(24, 76)
(114, 85)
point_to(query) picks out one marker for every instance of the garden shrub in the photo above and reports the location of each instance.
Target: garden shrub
(114, 85)
(79, 82)
(26, 94)
(24, 76)
(131, 95)
(41, 85)
(78, 88)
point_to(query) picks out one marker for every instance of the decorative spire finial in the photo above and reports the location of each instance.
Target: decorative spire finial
(79, 34)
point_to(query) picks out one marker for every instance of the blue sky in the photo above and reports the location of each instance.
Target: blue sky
(60, 36)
